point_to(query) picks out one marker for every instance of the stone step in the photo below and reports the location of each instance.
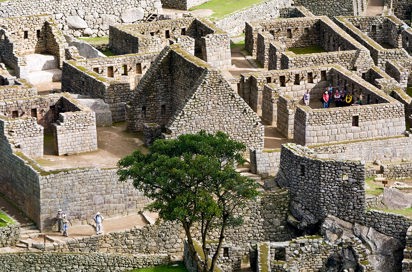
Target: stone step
(52, 75)
(242, 169)
(40, 62)
(147, 217)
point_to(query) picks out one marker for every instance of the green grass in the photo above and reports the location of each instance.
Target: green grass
(373, 188)
(108, 53)
(409, 91)
(307, 50)
(240, 44)
(179, 267)
(5, 220)
(96, 40)
(221, 8)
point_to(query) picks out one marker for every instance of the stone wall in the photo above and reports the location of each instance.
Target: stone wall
(182, 4)
(199, 36)
(81, 17)
(331, 8)
(265, 162)
(94, 262)
(9, 235)
(321, 186)
(407, 253)
(28, 35)
(190, 99)
(20, 89)
(399, 170)
(234, 23)
(402, 9)
(385, 149)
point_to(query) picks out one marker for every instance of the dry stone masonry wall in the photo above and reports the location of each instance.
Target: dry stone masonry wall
(9, 235)
(79, 18)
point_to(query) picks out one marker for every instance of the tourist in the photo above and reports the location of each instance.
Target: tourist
(306, 98)
(337, 98)
(325, 99)
(330, 93)
(59, 220)
(98, 219)
(65, 227)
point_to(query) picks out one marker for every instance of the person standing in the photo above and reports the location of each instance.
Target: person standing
(306, 98)
(65, 227)
(98, 219)
(325, 99)
(59, 220)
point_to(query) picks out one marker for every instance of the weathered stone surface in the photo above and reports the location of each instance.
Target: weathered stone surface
(132, 15)
(396, 199)
(76, 22)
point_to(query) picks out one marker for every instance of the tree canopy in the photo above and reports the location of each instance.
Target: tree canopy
(193, 179)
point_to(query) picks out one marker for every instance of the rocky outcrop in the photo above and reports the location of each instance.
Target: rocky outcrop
(384, 252)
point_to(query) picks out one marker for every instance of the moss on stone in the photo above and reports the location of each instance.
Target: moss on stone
(264, 258)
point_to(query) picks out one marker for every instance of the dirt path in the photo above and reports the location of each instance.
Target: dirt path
(375, 7)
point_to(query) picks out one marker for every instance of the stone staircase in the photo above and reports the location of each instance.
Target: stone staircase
(42, 68)
(245, 171)
(28, 232)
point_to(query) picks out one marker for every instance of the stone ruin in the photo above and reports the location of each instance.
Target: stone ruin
(166, 79)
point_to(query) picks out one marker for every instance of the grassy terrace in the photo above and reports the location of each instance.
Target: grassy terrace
(409, 91)
(179, 267)
(4, 220)
(405, 212)
(221, 8)
(373, 188)
(95, 40)
(307, 50)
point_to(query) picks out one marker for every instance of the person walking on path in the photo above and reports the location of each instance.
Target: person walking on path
(98, 219)
(65, 227)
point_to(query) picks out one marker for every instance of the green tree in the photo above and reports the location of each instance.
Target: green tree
(192, 179)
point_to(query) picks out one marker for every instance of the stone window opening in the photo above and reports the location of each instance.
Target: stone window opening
(323, 75)
(25, 34)
(163, 110)
(138, 68)
(289, 33)
(355, 121)
(167, 34)
(171, 42)
(183, 31)
(302, 244)
(124, 70)
(110, 71)
(373, 29)
(302, 170)
(310, 77)
(282, 80)
(33, 113)
(268, 79)
(280, 254)
(297, 79)
(38, 33)
(14, 114)
(152, 33)
(96, 70)
(226, 252)
(306, 30)
(144, 111)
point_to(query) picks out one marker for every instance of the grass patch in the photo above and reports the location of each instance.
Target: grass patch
(222, 8)
(96, 40)
(178, 267)
(409, 91)
(240, 44)
(5, 220)
(373, 188)
(307, 50)
(108, 53)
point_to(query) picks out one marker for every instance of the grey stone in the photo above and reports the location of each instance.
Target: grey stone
(75, 22)
(132, 15)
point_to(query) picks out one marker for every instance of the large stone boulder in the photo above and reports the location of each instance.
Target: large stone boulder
(108, 20)
(384, 252)
(132, 15)
(396, 199)
(75, 22)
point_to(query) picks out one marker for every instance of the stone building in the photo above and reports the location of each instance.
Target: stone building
(112, 79)
(189, 99)
(273, 41)
(33, 47)
(182, 4)
(198, 36)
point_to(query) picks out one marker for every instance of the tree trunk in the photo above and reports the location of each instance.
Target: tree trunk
(219, 245)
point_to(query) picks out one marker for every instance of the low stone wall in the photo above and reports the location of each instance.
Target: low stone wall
(78, 17)
(397, 171)
(182, 4)
(93, 262)
(17, 91)
(265, 162)
(329, 7)
(234, 24)
(407, 253)
(9, 235)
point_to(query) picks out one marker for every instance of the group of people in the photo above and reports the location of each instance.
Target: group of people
(63, 222)
(339, 96)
